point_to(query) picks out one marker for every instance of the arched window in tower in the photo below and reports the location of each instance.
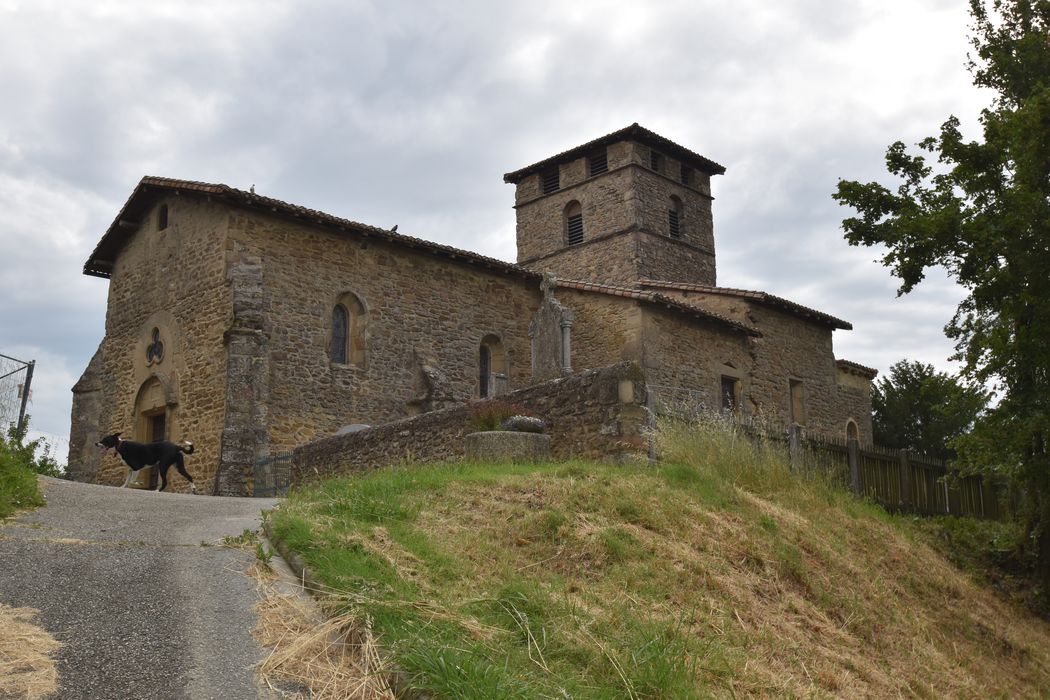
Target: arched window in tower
(852, 431)
(574, 223)
(674, 217)
(340, 334)
(492, 367)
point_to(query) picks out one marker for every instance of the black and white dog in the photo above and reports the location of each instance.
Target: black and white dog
(138, 455)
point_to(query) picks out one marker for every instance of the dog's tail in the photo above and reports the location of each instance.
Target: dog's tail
(188, 449)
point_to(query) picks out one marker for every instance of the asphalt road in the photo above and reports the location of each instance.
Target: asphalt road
(138, 587)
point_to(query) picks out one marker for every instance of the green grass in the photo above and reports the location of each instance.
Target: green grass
(715, 573)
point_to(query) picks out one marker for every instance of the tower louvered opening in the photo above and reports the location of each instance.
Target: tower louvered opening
(551, 181)
(598, 163)
(575, 226)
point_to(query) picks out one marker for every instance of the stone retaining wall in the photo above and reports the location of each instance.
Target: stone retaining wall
(597, 414)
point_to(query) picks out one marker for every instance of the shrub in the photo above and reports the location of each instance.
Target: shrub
(36, 455)
(490, 413)
(18, 488)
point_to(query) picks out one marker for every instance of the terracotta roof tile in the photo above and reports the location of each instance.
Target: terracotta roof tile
(854, 368)
(761, 297)
(658, 299)
(100, 264)
(632, 132)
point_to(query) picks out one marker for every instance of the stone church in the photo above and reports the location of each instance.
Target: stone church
(251, 326)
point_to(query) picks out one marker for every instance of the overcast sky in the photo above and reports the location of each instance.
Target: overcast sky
(409, 113)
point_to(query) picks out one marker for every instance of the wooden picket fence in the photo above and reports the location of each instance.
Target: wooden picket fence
(900, 480)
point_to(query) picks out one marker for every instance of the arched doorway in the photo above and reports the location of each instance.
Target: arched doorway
(152, 421)
(492, 367)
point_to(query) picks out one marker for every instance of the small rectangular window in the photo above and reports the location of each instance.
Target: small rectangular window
(687, 175)
(551, 181)
(162, 217)
(575, 225)
(598, 163)
(672, 220)
(730, 393)
(656, 161)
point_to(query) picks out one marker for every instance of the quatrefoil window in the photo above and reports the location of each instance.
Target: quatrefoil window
(155, 350)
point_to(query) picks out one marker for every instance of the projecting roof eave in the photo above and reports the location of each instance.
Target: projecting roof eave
(760, 297)
(857, 369)
(634, 132)
(660, 300)
(128, 221)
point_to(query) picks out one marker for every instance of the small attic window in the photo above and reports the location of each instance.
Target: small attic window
(162, 217)
(656, 161)
(687, 175)
(551, 181)
(598, 162)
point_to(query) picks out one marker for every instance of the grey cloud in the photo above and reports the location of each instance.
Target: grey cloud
(409, 113)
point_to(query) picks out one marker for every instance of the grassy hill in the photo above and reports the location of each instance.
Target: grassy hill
(714, 574)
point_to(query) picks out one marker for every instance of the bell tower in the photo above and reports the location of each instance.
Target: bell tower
(630, 205)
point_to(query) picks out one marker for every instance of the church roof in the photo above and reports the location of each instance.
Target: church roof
(100, 264)
(854, 368)
(761, 297)
(658, 300)
(634, 132)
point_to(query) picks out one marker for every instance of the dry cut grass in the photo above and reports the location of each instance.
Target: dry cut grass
(716, 574)
(314, 656)
(26, 667)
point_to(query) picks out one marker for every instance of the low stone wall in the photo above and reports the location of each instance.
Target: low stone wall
(597, 414)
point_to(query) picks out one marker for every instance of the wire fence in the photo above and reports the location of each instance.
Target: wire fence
(15, 390)
(273, 476)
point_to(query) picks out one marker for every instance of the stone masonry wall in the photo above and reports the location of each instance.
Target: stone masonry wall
(792, 348)
(623, 258)
(172, 280)
(84, 458)
(663, 258)
(611, 259)
(630, 197)
(684, 359)
(652, 192)
(597, 414)
(605, 202)
(606, 329)
(419, 310)
(854, 401)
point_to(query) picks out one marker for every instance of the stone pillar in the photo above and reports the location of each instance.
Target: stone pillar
(550, 331)
(566, 342)
(85, 422)
(244, 434)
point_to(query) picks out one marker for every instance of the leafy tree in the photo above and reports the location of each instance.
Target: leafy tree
(983, 212)
(922, 409)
